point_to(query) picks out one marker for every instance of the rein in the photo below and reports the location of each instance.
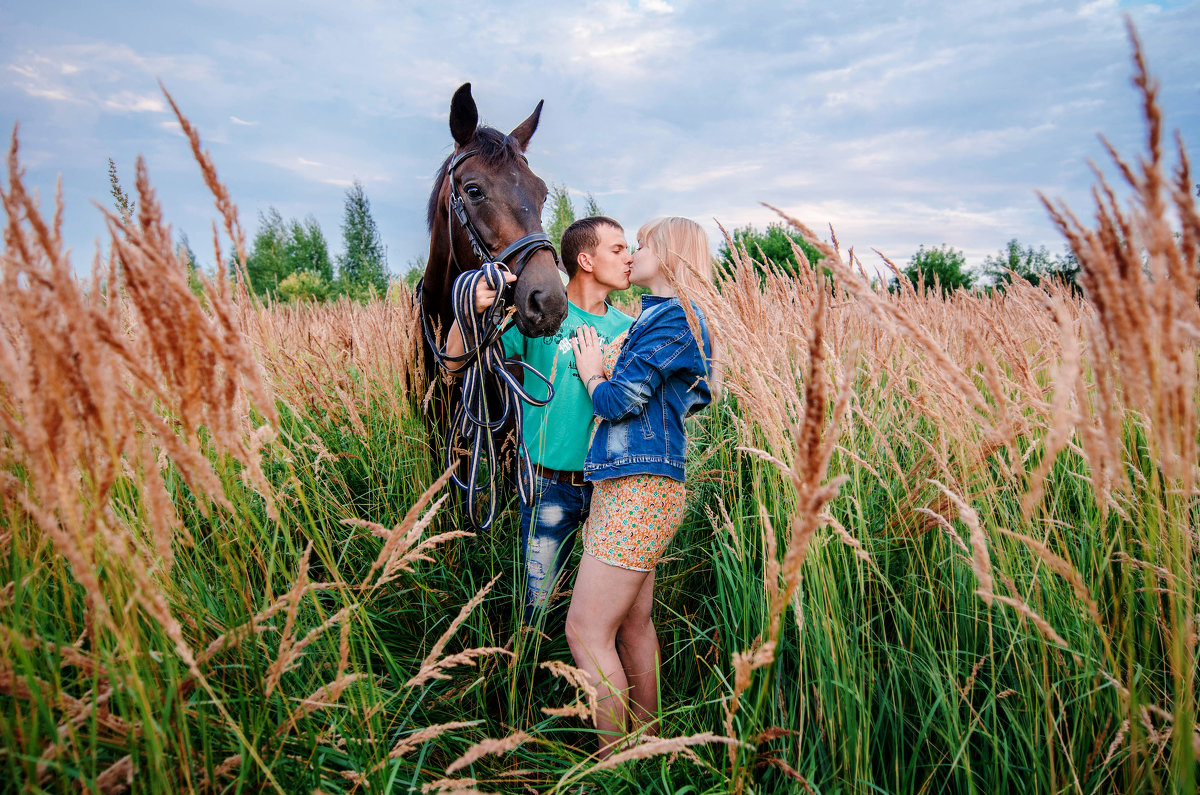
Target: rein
(483, 355)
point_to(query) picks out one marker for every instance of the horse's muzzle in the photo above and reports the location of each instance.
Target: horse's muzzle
(539, 296)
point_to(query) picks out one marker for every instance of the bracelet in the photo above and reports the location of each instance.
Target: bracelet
(588, 384)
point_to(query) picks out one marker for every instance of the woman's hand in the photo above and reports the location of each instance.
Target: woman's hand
(485, 295)
(589, 358)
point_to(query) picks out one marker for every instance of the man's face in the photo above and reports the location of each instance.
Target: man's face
(611, 259)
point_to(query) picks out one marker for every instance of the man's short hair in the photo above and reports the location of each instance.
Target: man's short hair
(583, 236)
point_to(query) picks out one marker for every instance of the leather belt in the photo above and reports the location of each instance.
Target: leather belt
(575, 478)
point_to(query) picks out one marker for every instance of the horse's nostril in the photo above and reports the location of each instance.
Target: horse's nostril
(536, 304)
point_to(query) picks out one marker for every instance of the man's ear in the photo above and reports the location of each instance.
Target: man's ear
(585, 262)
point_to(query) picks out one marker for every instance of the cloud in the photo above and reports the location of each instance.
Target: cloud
(704, 179)
(922, 123)
(110, 77)
(129, 102)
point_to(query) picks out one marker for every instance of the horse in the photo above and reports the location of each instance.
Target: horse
(486, 206)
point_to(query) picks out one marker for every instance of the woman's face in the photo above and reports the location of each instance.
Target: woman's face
(645, 265)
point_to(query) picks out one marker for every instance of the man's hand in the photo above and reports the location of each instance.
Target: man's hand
(485, 295)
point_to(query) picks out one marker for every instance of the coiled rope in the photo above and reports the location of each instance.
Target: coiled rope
(473, 424)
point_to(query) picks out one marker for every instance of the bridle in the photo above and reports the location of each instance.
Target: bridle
(483, 356)
(512, 259)
(514, 256)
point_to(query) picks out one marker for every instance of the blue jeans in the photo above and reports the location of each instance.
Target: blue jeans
(548, 529)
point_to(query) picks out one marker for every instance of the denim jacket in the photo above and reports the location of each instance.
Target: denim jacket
(660, 376)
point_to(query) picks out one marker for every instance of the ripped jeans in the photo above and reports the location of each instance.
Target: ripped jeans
(548, 530)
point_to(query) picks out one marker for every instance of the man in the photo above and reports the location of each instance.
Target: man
(597, 260)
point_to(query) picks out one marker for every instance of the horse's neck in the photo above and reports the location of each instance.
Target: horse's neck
(441, 271)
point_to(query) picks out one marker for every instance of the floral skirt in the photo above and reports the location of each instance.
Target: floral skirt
(633, 519)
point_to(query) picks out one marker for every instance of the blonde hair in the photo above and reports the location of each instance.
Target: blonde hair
(681, 246)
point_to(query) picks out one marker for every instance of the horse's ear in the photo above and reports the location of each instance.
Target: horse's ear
(524, 130)
(464, 116)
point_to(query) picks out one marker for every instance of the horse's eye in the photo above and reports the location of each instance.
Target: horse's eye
(474, 193)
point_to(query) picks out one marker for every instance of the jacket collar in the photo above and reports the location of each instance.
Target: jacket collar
(649, 300)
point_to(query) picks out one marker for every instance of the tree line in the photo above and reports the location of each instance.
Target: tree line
(289, 260)
(942, 266)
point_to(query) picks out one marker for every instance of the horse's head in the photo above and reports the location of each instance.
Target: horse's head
(499, 203)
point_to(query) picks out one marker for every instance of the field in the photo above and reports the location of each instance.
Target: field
(933, 544)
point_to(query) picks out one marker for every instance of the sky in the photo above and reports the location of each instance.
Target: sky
(899, 124)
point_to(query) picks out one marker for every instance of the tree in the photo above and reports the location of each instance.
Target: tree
(306, 250)
(1027, 262)
(1067, 269)
(184, 253)
(267, 263)
(1032, 265)
(304, 286)
(941, 265)
(591, 207)
(561, 214)
(773, 245)
(282, 248)
(363, 265)
(416, 269)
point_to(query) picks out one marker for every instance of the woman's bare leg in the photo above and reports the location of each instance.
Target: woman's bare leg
(600, 602)
(637, 645)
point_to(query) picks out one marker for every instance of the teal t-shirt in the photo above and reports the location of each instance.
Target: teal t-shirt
(557, 434)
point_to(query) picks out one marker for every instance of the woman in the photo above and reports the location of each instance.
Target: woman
(636, 463)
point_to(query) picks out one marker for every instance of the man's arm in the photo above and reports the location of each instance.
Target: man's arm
(484, 296)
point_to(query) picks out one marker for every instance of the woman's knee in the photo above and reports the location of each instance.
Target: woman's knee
(635, 629)
(579, 631)
(572, 630)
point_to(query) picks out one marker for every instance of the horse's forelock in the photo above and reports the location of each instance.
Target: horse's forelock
(493, 146)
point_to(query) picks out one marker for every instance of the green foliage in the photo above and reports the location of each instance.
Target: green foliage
(416, 269)
(305, 286)
(121, 200)
(281, 249)
(591, 207)
(560, 214)
(773, 245)
(188, 257)
(363, 265)
(910, 682)
(941, 265)
(267, 262)
(306, 250)
(1032, 265)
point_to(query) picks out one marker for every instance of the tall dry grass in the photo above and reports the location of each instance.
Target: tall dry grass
(970, 411)
(933, 543)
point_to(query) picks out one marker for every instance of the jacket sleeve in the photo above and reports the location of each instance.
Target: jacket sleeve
(641, 368)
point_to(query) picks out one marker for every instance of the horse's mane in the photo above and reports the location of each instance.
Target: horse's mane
(496, 149)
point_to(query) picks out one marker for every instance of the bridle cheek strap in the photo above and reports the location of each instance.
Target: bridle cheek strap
(515, 255)
(484, 363)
